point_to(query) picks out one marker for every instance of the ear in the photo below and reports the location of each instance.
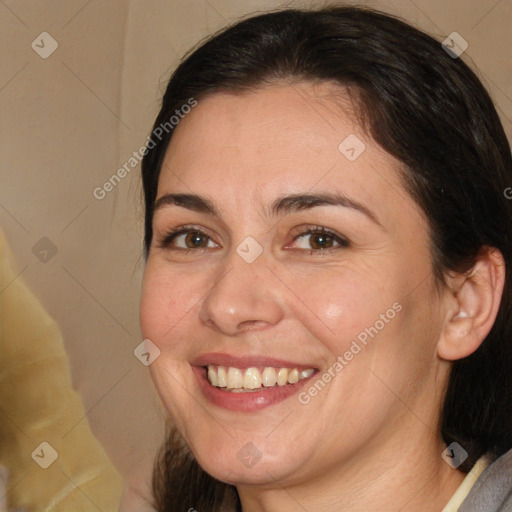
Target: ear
(473, 301)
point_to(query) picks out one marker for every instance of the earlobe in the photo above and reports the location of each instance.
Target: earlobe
(473, 302)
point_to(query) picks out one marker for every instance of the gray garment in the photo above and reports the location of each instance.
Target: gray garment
(492, 491)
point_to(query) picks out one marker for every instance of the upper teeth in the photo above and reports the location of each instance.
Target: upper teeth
(251, 378)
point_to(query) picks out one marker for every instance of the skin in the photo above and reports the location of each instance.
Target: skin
(370, 440)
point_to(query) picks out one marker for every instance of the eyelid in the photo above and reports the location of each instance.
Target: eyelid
(315, 229)
(172, 234)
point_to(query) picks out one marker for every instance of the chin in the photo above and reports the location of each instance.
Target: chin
(261, 473)
(249, 463)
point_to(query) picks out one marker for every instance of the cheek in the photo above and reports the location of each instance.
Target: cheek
(167, 298)
(338, 306)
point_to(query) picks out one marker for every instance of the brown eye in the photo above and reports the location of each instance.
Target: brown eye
(184, 239)
(319, 239)
(196, 239)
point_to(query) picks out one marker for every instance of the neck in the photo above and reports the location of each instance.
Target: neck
(410, 476)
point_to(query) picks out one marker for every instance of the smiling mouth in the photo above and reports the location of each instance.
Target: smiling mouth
(253, 379)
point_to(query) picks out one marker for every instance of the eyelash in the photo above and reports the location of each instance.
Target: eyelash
(313, 230)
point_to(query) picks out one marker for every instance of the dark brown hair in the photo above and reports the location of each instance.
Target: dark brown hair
(424, 107)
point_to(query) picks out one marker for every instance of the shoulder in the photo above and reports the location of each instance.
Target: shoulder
(492, 492)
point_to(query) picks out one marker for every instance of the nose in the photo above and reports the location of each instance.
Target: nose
(244, 297)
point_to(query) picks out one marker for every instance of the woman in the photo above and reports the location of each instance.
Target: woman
(327, 280)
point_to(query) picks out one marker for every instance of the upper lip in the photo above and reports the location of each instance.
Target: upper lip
(219, 359)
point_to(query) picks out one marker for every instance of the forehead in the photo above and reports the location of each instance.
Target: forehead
(283, 138)
(274, 119)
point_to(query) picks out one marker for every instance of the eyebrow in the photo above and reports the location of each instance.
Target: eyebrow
(281, 206)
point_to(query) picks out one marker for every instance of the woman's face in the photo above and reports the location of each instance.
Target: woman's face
(303, 252)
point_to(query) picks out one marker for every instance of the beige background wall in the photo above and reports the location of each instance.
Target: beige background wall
(69, 121)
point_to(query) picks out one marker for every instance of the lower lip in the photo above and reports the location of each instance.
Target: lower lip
(245, 402)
